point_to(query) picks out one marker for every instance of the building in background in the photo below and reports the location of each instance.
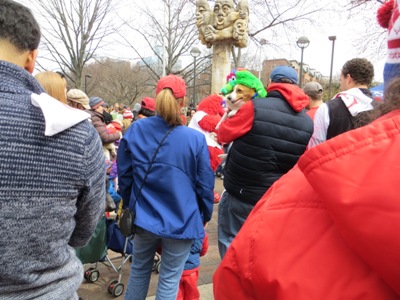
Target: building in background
(309, 74)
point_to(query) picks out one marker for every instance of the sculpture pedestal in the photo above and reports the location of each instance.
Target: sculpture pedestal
(221, 66)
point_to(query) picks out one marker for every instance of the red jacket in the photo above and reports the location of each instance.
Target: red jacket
(329, 229)
(242, 122)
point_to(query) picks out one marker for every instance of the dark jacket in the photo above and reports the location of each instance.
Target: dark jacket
(107, 117)
(100, 125)
(340, 119)
(279, 135)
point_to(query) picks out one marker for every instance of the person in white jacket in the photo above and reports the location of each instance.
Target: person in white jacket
(345, 110)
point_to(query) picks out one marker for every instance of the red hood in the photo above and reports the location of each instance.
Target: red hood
(294, 95)
(354, 175)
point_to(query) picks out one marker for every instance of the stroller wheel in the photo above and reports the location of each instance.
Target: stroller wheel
(112, 285)
(158, 266)
(116, 288)
(87, 273)
(156, 260)
(154, 266)
(93, 276)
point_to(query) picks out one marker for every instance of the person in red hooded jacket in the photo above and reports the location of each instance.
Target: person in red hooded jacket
(328, 229)
(206, 118)
(269, 135)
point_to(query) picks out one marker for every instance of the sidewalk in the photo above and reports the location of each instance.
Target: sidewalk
(208, 264)
(206, 292)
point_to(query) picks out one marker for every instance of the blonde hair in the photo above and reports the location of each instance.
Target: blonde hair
(126, 123)
(169, 108)
(54, 85)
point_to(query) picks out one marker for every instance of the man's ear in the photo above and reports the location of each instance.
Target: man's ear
(31, 60)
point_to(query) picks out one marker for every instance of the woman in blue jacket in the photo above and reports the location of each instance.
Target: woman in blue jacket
(172, 196)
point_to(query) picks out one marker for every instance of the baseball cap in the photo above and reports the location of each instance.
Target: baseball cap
(287, 72)
(78, 96)
(173, 82)
(149, 103)
(312, 88)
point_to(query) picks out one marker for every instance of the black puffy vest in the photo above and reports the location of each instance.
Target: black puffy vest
(340, 119)
(278, 137)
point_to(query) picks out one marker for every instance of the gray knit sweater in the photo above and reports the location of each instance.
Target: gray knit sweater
(52, 194)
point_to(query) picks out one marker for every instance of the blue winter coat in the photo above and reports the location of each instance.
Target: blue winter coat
(193, 260)
(112, 191)
(177, 197)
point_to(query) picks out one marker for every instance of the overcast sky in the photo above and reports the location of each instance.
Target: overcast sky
(317, 55)
(349, 29)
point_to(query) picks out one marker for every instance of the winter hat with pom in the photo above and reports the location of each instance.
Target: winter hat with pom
(95, 102)
(127, 114)
(388, 17)
(212, 105)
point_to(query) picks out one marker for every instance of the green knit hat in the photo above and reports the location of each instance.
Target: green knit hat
(246, 78)
(228, 88)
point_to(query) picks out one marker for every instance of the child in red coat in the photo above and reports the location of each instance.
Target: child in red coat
(205, 120)
(188, 284)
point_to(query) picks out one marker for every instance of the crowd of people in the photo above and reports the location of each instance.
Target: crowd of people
(309, 209)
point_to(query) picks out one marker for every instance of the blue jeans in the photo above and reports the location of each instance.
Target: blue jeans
(173, 257)
(231, 216)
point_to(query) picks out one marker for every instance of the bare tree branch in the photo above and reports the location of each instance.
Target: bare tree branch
(74, 31)
(176, 35)
(118, 81)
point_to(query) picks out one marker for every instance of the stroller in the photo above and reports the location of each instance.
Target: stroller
(107, 236)
(94, 251)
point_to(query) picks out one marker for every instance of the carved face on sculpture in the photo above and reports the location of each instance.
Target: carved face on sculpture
(222, 9)
(203, 12)
(240, 33)
(239, 29)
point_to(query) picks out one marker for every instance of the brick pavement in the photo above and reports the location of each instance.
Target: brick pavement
(209, 263)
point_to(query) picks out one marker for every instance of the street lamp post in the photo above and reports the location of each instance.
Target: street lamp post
(195, 52)
(262, 43)
(333, 39)
(86, 77)
(302, 43)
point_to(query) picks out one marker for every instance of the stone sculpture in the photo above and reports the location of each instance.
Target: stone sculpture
(222, 28)
(225, 24)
